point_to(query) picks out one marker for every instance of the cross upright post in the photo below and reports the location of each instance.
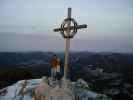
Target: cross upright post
(67, 46)
(68, 31)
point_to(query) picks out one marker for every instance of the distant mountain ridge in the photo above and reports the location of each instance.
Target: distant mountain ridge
(26, 58)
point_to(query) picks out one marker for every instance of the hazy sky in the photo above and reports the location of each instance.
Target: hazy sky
(109, 24)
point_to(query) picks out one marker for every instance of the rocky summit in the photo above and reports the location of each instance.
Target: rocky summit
(52, 90)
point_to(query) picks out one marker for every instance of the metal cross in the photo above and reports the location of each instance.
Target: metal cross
(68, 31)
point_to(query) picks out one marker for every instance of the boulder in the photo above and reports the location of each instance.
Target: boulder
(50, 90)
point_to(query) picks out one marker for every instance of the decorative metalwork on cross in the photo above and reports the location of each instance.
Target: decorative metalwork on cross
(68, 29)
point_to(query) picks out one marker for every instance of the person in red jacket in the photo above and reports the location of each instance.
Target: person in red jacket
(54, 64)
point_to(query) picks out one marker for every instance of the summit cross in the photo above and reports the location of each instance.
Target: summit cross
(68, 31)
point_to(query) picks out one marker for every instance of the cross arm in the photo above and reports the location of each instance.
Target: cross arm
(70, 28)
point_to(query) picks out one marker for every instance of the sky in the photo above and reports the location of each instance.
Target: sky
(27, 25)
